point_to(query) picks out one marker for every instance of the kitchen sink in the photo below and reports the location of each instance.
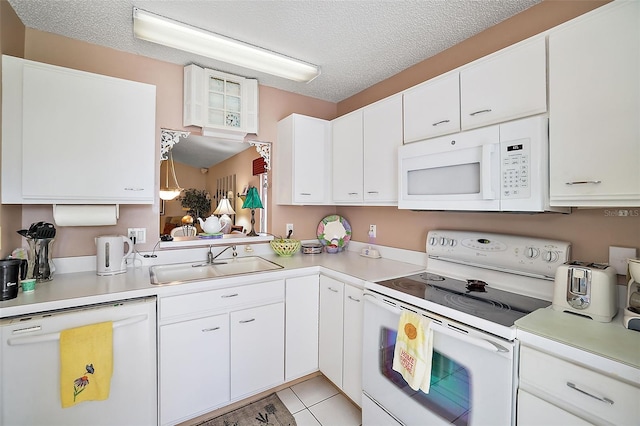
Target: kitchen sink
(177, 273)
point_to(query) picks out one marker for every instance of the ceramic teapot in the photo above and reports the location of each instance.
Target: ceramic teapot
(211, 225)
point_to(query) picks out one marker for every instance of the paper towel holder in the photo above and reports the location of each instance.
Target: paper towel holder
(86, 214)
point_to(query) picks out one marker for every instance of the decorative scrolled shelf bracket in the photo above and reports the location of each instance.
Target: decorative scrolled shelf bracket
(264, 149)
(168, 139)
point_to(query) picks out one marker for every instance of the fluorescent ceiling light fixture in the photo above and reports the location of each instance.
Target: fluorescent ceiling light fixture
(157, 29)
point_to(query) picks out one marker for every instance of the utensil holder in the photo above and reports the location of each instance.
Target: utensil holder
(40, 264)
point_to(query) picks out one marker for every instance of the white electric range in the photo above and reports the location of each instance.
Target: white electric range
(475, 286)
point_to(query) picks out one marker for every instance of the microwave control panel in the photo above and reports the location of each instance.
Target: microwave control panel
(516, 169)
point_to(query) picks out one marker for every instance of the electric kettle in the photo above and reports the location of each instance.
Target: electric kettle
(111, 258)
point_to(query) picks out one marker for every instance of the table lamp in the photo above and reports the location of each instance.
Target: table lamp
(224, 208)
(252, 202)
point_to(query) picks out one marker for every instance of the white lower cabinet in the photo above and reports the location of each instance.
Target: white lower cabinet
(352, 343)
(301, 326)
(257, 349)
(559, 389)
(341, 335)
(533, 411)
(219, 346)
(193, 355)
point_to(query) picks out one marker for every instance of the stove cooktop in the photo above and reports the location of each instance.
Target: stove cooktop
(471, 297)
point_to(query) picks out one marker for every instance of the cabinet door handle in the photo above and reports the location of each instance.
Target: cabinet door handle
(332, 289)
(352, 193)
(246, 321)
(372, 192)
(206, 330)
(354, 299)
(441, 122)
(599, 398)
(133, 189)
(229, 295)
(582, 182)
(305, 193)
(482, 111)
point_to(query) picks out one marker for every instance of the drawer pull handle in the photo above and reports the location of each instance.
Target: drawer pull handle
(372, 192)
(354, 299)
(229, 295)
(583, 182)
(332, 289)
(440, 122)
(482, 111)
(603, 399)
(206, 330)
(305, 193)
(353, 193)
(246, 321)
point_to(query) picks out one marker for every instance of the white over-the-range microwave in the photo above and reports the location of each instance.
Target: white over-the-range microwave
(504, 167)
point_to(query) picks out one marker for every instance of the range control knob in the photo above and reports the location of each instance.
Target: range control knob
(452, 242)
(443, 241)
(433, 241)
(550, 256)
(531, 252)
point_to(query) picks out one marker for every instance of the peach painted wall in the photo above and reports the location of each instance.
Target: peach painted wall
(590, 231)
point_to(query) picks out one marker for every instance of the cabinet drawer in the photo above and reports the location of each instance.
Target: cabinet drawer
(207, 301)
(579, 388)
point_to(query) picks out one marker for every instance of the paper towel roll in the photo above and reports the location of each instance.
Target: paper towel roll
(85, 215)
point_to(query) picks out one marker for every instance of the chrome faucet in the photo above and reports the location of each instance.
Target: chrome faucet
(211, 258)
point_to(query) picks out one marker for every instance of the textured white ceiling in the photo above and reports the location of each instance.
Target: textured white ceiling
(356, 43)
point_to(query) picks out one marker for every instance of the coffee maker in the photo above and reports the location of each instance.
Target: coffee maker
(631, 318)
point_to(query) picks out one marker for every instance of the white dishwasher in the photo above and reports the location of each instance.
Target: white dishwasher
(30, 367)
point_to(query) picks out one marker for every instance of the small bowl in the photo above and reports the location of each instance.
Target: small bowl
(312, 248)
(285, 247)
(332, 249)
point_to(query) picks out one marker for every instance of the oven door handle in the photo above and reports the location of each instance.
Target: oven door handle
(476, 341)
(444, 328)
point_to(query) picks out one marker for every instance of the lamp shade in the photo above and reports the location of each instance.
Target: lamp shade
(253, 199)
(224, 207)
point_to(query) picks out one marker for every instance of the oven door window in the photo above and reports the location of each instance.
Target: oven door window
(450, 393)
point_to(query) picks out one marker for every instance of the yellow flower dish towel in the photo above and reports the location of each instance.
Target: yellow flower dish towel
(86, 363)
(414, 350)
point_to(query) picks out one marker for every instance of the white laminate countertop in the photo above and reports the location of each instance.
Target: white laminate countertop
(610, 340)
(86, 288)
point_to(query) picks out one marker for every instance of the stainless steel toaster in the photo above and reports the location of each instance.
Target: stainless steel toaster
(587, 289)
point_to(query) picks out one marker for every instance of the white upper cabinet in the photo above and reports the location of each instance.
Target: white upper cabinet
(594, 105)
(506, 85)
(432, 109)
(302, 161)
(73, 137)
(224, 105)
(364, 145)
(382, 137)
(347, 158)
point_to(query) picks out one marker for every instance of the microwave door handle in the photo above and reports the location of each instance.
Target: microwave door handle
(486, 172)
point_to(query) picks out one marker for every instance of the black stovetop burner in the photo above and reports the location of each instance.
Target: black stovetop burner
(473, 297)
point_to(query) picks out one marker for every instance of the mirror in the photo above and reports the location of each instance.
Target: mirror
(218, 168)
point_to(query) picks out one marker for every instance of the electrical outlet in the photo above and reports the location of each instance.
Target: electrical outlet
(137, 234)
(372, 231)
(618, 258)
(289, 228)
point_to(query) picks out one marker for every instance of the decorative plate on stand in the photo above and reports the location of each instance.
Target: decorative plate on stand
(334, 232)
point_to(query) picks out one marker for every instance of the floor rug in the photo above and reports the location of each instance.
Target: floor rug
(268, 411)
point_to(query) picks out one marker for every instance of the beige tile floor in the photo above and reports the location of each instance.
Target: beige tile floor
(316, 402)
